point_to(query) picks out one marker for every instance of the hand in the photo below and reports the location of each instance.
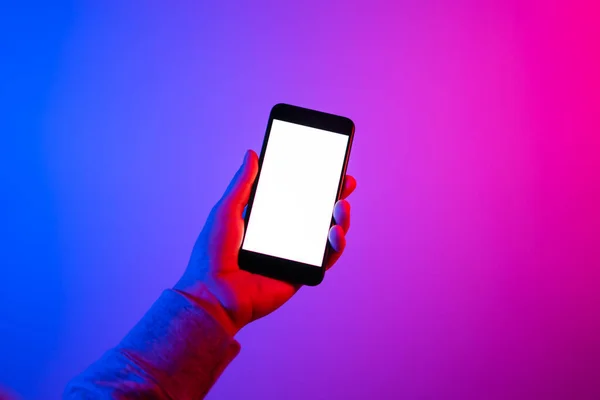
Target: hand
(213, 274)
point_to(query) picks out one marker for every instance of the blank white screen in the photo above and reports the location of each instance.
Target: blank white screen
(296, 193)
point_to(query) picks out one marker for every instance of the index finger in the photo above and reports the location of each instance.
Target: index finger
(349, 186)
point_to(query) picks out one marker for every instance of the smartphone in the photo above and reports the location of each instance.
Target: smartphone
(302, 166)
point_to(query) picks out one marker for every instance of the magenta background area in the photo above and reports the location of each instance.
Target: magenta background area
(473, 263)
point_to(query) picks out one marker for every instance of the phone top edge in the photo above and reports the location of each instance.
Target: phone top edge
(310, 117)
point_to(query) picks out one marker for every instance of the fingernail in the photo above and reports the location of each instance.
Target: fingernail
(246, 156)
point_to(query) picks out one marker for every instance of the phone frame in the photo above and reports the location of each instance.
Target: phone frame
(280, 268)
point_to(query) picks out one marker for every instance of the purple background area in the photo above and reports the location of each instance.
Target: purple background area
(473, 264)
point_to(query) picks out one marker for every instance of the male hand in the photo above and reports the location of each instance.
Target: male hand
(213, 274)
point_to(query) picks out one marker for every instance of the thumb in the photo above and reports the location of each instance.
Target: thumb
(237, 193)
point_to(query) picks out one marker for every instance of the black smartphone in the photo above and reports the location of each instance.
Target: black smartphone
(302, 166)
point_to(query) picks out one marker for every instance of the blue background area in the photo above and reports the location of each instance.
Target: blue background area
(32, 295)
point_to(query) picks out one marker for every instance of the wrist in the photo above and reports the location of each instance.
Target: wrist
(200, 295)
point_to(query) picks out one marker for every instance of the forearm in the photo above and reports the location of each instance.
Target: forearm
(177, 351)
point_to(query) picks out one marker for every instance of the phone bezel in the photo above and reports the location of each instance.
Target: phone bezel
(280, 268)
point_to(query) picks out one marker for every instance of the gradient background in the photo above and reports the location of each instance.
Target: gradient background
(473, 265)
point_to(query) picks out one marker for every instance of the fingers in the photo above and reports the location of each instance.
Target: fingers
(341, 214)
(338, 243)
(237, 193)
(337, 238)
(349, 186)
(337, 233)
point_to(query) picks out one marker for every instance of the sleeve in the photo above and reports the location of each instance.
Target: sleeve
(177, 351)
